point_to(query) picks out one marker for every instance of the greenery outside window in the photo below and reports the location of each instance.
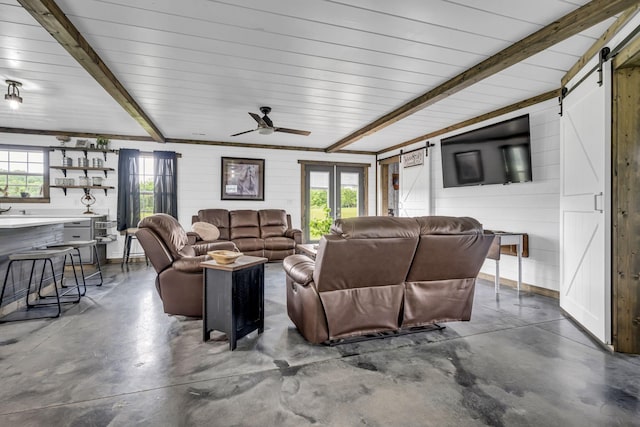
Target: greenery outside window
(146, 179)
(24, 174)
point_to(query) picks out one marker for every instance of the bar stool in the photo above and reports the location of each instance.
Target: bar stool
(129, 235)
(77, 245)
(47, 256)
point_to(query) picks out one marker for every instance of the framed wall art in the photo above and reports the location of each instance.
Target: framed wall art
(242, 179)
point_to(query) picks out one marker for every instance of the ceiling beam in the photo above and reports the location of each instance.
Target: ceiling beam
(629, 56)
(600, 43)
(569, 25)
(496, 113)
(52, 19)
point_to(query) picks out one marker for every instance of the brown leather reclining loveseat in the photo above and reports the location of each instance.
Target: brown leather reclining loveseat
(376, 274)
(264, 233)
(177, 263)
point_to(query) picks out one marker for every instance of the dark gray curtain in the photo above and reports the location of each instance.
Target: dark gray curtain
(165, 183)
(128, 189)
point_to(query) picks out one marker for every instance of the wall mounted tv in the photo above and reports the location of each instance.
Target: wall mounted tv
(496, 154)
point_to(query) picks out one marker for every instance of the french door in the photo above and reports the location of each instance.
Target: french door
(331, 192)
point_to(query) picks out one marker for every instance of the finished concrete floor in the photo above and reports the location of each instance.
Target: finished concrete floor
(116, 359)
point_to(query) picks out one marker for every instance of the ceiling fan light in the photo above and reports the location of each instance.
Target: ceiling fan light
(14, 101)
(265, 131)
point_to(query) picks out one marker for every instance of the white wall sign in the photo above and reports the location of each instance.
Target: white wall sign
(414, 158)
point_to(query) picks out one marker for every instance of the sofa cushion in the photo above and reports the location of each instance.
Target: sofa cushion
(217, 217)
(206, 231)
(273, 222)
(376, 227)
(249, 244)
(448, 225)
(279, 243)
(244, 224)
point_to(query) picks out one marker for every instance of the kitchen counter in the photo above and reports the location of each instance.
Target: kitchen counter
(22, 221)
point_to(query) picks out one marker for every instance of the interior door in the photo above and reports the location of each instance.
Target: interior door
(415, 188)
(585, 285)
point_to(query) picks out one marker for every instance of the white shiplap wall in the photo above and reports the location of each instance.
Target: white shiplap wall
(198, 179)
(531, 207)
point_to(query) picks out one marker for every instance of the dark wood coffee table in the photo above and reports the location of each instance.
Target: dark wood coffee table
(233, 300)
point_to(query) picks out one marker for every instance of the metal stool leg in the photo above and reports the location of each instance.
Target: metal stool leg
(99, 271)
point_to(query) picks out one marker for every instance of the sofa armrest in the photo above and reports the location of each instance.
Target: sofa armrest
(203, 248)
(294, 234)
(190, 264)
(299, 268)
(193, 237)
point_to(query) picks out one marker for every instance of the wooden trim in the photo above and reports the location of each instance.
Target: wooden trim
(73, 134)
(629, 56)
(172, 140)
(144, 153)
(303, 195)
(493, 114)
(389, 160)
(384, 188)
(263, 146)
(365, 196)
(321, 163)
(625, 159)
(600, 43)
(525, 287)
(52, 19)
(559, 30)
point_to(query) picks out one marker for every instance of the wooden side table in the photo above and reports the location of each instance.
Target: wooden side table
(233, 300)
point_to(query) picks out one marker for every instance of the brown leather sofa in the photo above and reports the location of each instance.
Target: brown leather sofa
(177, 263)
(379, 274)
(264, 233)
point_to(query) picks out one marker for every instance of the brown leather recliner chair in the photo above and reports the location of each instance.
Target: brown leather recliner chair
(179, 281)
(379, 274)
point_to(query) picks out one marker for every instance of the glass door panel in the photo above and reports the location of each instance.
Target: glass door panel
(350, 184)
(319, 212)
(331, 192)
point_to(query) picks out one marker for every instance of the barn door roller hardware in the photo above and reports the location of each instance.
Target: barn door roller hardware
(605, 55)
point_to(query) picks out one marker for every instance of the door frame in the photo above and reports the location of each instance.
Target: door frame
(303, 188)
(625, 182)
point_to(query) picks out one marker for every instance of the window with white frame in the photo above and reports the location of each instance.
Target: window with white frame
(24, 174)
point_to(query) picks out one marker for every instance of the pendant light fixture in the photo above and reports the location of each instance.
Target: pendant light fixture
(13, 94)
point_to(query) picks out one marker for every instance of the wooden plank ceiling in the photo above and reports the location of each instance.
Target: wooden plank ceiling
(194, 69)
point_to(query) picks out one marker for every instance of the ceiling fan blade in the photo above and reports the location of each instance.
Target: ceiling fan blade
(258, 119)
(246, 131)
(294, 131)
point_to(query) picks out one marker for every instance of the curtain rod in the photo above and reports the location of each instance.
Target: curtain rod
(150, 153)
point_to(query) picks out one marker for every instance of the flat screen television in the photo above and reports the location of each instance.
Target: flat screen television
(495, 154)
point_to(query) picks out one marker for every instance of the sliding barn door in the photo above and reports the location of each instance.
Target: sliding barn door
(415, 188)
(585, 261)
